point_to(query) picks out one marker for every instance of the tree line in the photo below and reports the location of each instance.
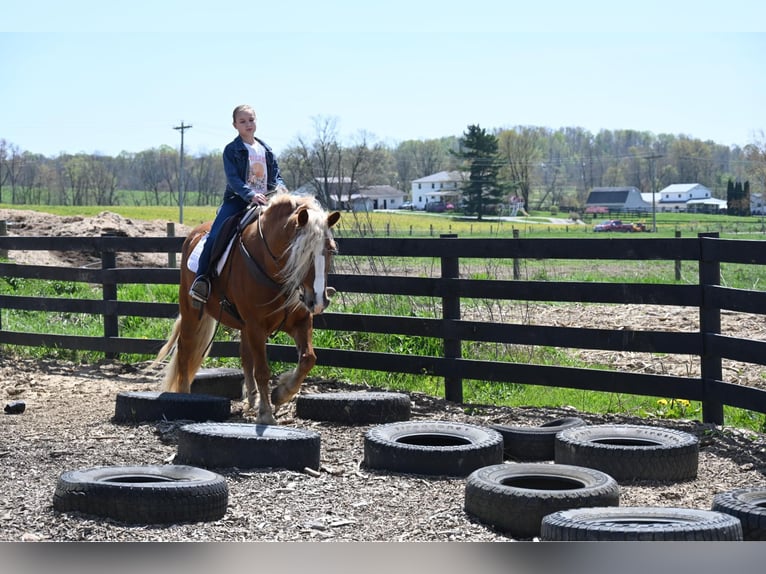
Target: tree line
(546, 167)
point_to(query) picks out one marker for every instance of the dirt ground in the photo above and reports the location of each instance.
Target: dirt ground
(67, 425)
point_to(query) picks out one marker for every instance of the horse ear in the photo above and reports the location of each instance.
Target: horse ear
(333, 218)
(302, 216)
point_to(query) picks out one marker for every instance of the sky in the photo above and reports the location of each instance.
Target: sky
(99, 77)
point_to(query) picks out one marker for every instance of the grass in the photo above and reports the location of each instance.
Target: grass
(414, 224)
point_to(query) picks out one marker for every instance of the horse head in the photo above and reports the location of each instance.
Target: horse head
(305, 240)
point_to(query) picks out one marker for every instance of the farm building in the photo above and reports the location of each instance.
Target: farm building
(688, 197)
(345, 194)
(757, 205)
(442, 186)
(617, 199)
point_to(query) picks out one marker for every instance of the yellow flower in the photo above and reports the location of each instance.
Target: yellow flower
(662, 403)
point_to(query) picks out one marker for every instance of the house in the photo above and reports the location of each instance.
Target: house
(757, 206)
(677, 197)
(442, 186)
(619, 199)
(383, 196)
(354, 198)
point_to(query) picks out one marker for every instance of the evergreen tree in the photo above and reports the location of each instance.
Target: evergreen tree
(482, 192)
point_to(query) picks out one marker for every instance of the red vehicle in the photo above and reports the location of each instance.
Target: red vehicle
(613, 225)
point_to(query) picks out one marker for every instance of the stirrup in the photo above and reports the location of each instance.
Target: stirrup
(200, 290)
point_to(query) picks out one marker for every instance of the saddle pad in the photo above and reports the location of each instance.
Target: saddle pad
(193, 261)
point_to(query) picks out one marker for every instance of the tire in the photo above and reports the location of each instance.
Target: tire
(534, 443)
(630, 452)
(243, 445)
(354, 408)
(139, 406)
(144, 494)
(640, 524)
(515, 497)
(219, 382)
(432, 448)
(749, 506)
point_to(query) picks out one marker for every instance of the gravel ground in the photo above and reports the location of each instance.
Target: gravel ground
(67, 425)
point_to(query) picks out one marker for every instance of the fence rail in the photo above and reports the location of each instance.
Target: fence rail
(707, 251)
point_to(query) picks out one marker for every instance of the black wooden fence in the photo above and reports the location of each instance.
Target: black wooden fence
(707, 251)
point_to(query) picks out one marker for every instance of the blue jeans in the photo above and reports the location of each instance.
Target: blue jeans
(228, 208)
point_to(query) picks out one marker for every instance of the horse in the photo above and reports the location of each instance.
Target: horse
(273, 279)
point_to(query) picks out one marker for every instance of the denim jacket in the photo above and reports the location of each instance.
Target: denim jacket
(236, 166)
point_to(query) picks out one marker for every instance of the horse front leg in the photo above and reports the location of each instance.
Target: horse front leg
(259, 367)
(248, 368)
(291, 381)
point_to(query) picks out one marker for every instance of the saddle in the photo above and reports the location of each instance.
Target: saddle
(230, 229)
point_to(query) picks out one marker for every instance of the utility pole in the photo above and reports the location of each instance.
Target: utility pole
(182, 128)
(651, 159)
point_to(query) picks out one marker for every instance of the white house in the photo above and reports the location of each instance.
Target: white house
(676, 197)
(757, 206)
(442, 186)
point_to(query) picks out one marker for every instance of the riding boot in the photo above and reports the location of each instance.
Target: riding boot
(200, 291)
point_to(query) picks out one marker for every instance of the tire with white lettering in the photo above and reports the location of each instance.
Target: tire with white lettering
(640, 524)
(515, 497)
(354, 407)
(432, 447)
(748, 504)
(143, 494)
(534, 442)
(244, 445)
(140, 406)
(630, 452)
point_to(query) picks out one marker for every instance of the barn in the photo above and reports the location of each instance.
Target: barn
(616, 199)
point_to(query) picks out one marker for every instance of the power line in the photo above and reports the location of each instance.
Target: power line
(182, 128)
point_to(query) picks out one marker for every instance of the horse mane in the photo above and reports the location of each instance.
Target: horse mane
(307, 243)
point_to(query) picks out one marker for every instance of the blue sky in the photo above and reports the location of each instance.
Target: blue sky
(96, 77)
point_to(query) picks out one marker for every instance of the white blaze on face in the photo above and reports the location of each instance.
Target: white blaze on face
(319, 285)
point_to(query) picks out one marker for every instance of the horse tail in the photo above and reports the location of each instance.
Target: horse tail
(187, 349)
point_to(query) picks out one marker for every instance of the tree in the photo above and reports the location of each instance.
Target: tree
(520, 151)
(478, 149)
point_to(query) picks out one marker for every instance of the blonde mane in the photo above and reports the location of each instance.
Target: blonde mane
(310, 241)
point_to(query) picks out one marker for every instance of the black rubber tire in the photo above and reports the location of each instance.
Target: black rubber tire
(630, 452)
(640, 524)
(144, 494)
(139, 406)
(243, 445)
(515, 497)
(534, 442)
(354, 407)
(219, 382)
(432, 448)
(748, 504)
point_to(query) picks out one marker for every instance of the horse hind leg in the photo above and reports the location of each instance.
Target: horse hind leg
(191, 337)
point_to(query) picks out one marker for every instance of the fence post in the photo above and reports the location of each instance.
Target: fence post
(711, 369)
(678, 261)
(3, 231)
(171, 232)
(109, 293)
(450, 269)
(516, 266)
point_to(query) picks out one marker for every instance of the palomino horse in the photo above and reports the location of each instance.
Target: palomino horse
(275, 279)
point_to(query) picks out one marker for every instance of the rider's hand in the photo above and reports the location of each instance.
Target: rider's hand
(259, 199)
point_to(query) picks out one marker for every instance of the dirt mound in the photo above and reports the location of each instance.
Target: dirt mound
(25, 223)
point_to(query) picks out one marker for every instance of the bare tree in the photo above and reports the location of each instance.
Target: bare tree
(520, 150)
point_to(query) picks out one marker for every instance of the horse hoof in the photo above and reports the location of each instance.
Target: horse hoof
(266, 420)
(280, 395)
